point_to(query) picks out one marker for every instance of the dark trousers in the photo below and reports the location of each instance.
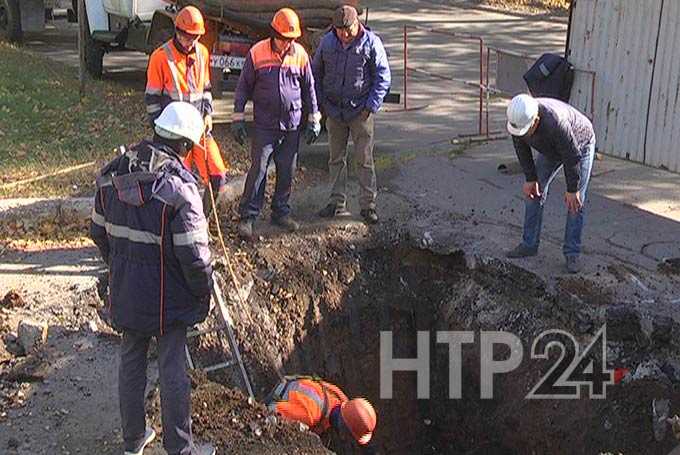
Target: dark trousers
(175, 389)
(282, 146)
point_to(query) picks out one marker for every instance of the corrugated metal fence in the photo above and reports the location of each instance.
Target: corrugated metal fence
(633, 47)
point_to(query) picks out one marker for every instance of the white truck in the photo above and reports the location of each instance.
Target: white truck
(19, 16)
(111, 25)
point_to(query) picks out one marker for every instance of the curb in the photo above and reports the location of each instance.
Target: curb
(82, 206)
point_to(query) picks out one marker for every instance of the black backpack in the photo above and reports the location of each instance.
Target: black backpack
(551, 76)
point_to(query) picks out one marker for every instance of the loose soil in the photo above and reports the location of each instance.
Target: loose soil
(318, 302)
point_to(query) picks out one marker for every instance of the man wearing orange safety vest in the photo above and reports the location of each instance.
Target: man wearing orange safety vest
(321, 405)
(277, 77)
(179, 70)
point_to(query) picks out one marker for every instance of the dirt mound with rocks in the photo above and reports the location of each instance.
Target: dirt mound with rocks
(234, 423)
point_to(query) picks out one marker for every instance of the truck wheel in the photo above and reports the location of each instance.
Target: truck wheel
(10, 20)
(94, 53)
(94, 57)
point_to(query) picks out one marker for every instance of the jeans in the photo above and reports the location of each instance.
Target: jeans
(533, 214)
(175, 389)
(282, 146)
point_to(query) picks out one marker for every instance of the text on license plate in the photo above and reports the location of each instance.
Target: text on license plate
(227, 61)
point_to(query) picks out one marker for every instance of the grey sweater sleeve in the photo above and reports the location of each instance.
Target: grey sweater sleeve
(526, 159)
(567, 147)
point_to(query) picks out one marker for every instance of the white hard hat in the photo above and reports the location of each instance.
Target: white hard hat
(180, 120)
(522, 111)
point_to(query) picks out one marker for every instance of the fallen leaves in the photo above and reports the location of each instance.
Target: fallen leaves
(12, 300)
(68, 228)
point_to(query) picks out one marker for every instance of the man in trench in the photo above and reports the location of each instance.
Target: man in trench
(321, 405)
(563, 138)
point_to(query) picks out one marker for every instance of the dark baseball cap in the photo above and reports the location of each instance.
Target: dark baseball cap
(345, 16)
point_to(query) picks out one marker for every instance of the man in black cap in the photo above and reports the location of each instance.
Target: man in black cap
(352, 77)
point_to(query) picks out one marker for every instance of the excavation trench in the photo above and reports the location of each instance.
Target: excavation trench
(318, 307)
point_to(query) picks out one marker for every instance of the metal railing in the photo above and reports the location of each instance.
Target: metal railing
(486, 89)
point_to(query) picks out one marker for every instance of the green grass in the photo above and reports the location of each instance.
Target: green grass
(45, 126)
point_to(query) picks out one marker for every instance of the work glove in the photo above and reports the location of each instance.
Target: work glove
(312, 132)
(239, 131)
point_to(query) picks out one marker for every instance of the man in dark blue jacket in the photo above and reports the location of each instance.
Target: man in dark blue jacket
(149, 225)
(278, 78)
(352, 77)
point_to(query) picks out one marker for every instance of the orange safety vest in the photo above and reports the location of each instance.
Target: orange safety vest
(174, 76)
(307, 400)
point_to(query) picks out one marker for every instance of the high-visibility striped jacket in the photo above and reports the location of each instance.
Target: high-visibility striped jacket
(175, 76)
(307, 400)
(281, 89)
(149, 225)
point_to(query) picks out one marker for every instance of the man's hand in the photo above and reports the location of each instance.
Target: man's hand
(573, 201)
(208, 123)
(531, 190)
(239, 131)
(312, 132)
(365, 114)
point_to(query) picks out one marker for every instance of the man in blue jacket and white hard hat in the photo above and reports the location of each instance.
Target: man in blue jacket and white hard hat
(149, 225)
(563, 138)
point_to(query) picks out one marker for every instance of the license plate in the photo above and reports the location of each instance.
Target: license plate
(227, 61)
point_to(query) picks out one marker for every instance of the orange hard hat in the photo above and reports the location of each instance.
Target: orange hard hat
(287, 23)
(360, 418)
(190, 20)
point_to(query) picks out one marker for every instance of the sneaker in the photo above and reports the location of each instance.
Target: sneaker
(149, 436)
(370, 216)
(573, 264)
(287, 222)
(245, 228)
(521, 251)
(332, 211)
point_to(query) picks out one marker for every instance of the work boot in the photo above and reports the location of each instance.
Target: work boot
(245, 228)
(370, 216)
(573, 264)
(333, 211)
(149, 436)
(287, 222)
(521, 251)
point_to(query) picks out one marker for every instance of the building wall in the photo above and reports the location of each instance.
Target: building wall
(663, 127)
(630, 45)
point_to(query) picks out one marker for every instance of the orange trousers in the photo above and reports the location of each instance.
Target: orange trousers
(212, 169)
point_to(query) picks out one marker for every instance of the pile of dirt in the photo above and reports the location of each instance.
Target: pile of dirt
(232, 422)
(319, 301)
